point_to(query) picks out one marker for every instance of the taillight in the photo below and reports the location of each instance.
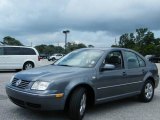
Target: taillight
(39, 58)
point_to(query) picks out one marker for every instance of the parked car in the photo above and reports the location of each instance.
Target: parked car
(18, 57)
(85, 77)
(55, 57)
(152, 58)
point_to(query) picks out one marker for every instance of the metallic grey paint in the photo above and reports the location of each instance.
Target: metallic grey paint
(107, 85)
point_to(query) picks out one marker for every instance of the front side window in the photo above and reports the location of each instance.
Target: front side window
(1, 51)
(115, 58)
(81, 58)
(132, 61)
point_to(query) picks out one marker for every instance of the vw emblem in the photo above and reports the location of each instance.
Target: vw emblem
(18, 82)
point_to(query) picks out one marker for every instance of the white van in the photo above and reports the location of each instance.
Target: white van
(18, 57)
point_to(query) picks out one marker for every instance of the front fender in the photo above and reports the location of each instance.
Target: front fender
(74, 83)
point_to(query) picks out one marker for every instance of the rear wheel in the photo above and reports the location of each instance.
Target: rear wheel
(147, 92)
(77, 105)
(28, 65)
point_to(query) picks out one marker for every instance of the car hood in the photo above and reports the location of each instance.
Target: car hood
(51, 72)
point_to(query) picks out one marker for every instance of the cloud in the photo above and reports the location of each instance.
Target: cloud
(98, 39)
(90, 21)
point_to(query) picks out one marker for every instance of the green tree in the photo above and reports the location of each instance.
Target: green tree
(127, 40)
(49, 49)
(73, 46)
(41, 48)
(90, 46)
(142, 40)
(59, 49)
(11, 41)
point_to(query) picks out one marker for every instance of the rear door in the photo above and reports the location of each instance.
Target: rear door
(135, 70)
(29, 54)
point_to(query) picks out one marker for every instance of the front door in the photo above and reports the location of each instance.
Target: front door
(111, 83)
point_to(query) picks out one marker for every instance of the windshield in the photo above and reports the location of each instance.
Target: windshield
(81, 58)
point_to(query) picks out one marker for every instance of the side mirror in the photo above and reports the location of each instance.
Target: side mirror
(108, 67)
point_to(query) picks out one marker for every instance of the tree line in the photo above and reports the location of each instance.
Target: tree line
(142, 41)
(46, 49)
(51, 49)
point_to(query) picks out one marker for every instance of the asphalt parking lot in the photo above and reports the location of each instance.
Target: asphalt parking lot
(125, 109)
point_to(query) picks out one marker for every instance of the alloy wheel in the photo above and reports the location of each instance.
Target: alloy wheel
(148, 90)
(83, 104)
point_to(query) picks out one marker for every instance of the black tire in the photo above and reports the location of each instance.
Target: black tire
(53, 59)
(143, 96)
(25, 66)
(18, 70)
(75, 104)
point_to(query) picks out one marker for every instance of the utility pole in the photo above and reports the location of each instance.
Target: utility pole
(115, 41)
(65, 32)
(58, 43)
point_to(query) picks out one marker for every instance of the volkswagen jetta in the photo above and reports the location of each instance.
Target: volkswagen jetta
(85, 77)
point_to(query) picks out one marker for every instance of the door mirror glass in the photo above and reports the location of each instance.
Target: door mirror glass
(108, 67)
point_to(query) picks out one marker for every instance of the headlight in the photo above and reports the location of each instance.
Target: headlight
(11, 79)
(39, 85)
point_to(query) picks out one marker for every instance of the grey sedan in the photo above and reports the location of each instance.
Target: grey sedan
(85, 77)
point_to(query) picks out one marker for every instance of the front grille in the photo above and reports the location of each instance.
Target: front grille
(23, 84)
(17, 102)
(33, 105)
(25, 104)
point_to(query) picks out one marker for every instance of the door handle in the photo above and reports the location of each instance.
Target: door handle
(124, 74)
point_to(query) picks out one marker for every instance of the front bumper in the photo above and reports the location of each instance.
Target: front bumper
(35, 101)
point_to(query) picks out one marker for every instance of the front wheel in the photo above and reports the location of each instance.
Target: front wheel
(147, 92)
(77, 105)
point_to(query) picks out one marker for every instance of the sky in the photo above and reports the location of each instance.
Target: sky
(95, 22)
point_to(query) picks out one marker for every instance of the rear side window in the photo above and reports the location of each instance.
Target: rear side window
(27, 51)
(12, 51)
(132, 61)
(1, 51)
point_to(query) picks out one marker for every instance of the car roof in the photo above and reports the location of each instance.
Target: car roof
(107, 49)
